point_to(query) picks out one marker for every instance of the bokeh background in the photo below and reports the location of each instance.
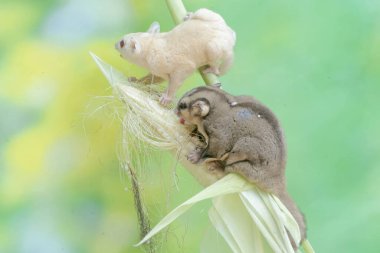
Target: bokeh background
(316, 63)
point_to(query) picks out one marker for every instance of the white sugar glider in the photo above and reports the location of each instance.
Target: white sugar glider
(202, 39)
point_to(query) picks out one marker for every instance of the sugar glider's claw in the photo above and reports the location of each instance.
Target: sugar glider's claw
(212, 70)
(188, 16)
(165, 99)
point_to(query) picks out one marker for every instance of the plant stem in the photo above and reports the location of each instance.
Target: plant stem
(178, 12)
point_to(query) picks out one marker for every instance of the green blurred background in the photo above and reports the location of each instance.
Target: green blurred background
(316, 63)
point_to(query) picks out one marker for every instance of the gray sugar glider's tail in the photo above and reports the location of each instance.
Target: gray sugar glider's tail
(293, 209)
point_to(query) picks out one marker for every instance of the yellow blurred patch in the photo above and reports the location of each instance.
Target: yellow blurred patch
(16, 19)
(25, 158)
(73, 106)
(32, 63)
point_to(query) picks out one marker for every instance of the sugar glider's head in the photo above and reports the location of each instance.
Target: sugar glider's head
(130, 45)
(198, 103)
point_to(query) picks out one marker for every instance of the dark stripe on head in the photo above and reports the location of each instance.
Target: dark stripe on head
(218, 91)
(199, 99)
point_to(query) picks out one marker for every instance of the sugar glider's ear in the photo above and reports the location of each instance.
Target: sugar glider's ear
(154, 27)
(134, 44)
(201, 107)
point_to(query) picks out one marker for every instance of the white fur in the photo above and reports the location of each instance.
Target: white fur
(203, 39)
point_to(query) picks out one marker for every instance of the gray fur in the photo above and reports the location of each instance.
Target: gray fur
(244, 137)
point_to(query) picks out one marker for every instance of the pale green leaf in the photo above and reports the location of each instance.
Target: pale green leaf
(231, 219)
(229, 184)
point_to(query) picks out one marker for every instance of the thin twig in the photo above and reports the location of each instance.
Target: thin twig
(142, 216)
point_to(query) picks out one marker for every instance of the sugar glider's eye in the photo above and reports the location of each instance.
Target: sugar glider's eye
(182, 106)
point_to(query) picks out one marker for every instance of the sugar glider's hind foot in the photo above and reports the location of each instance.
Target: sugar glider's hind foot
(214, 166)
(188, 16)
(212, 70)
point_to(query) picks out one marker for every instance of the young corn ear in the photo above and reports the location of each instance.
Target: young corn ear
(249, 219)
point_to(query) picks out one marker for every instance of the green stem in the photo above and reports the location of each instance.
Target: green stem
(307, 246)
(178, 12)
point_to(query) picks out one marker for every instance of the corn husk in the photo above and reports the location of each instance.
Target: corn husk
(248, 219)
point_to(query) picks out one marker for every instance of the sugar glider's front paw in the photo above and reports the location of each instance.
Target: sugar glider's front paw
(194, 156)
(165, 99)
